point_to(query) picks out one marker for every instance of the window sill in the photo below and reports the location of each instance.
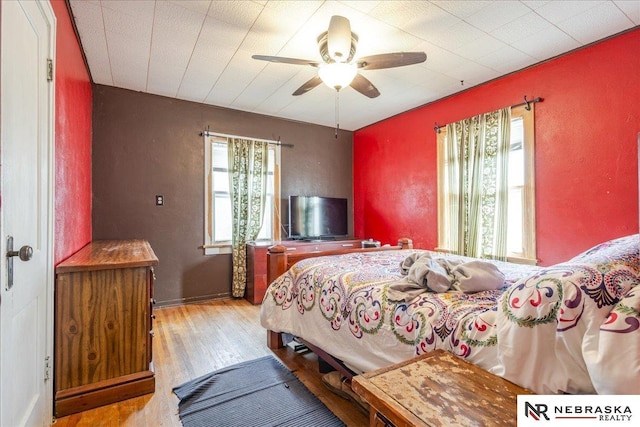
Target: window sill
(217, 249)
(511, 259)
(520, 260)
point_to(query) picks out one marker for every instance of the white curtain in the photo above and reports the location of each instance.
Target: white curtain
(477, 152)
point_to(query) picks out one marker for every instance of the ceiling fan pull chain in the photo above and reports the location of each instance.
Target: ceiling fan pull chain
(337, 112)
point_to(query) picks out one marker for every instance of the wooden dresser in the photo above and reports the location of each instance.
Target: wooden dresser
(257, 260)
(103, 325)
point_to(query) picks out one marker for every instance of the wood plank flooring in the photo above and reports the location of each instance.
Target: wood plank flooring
(195, 339)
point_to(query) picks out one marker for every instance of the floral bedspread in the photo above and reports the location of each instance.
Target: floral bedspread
(554, 329)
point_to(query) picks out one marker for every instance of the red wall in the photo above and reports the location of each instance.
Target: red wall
(73, 141)
(586, 133)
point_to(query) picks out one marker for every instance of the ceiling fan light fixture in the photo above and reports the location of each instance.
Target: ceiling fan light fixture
(337, 74)
(339, 39)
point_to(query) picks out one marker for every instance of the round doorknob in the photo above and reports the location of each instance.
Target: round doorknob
(25, 253)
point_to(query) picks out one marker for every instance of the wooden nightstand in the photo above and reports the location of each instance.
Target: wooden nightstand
(437, 389)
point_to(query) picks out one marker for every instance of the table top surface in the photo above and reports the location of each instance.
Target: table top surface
(440, 389)
(106, 254)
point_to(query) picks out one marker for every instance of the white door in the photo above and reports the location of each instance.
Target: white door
(26, 302)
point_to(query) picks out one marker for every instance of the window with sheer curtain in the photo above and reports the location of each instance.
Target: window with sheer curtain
(464, 199)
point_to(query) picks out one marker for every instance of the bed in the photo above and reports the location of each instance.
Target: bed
(572, 327)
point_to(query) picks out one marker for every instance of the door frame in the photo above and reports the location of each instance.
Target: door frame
(47, 12)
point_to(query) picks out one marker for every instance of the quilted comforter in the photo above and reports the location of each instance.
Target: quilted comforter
(572, 327)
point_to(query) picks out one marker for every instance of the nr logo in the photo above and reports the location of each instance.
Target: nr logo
(536, 411)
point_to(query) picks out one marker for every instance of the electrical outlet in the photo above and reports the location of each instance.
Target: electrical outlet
(159, 200)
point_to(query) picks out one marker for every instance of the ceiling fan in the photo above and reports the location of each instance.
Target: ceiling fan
(338, 47)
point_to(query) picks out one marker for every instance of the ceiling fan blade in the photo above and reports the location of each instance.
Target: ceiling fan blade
(391, 60)
(310, 84)
(364, 86)
(283, 60)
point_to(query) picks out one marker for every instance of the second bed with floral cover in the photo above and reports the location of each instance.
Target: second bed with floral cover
(572, 327)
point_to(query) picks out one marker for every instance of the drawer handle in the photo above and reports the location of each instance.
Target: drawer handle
(152, 333)
(153, 316)
(347, 245)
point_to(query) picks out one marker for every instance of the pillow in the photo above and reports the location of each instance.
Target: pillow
(549, 324)
(623, 250)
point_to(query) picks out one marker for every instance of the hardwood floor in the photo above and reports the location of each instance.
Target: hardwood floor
(195, 339)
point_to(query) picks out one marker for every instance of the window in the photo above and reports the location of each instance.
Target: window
(218, 221)
(521, 198)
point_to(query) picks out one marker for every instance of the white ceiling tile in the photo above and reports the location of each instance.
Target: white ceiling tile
(238, 74)
(246, 101)
(472, 73)
(407, 75)
(432, 25)
(274, 73)
(506, 60)
(399, 13)
(522, 27)
(497, 14)
(164, 80)
(414, 96)
(558, 11)
(283, 97)
(595, 23)
(261, 88)
(384, 38)
(130, 19)
(456, 36)
(461, 9)
(176, 31)
(436, 82)
(439, 59)
(222, 95)
(535, 4)
(238, 13)
(217, 44)
(363, 6)
(88, 17)
(270, 32)
(546, 44)
(631, 8)
(198, 6)
(128, 35)
(482, 46)
(129, 60)
(192, 89)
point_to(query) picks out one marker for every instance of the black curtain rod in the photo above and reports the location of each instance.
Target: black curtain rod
(527, 103)
(276, 142)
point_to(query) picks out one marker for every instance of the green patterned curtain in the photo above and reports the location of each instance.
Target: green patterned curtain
(247, 188)
(477, 151)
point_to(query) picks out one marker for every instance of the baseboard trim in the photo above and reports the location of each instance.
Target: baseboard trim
(193, 300)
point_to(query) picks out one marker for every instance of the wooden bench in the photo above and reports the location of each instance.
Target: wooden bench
(437, 389)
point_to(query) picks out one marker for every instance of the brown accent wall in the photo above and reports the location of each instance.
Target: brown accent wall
(144, 145)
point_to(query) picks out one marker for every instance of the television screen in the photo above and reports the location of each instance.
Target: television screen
(317, 217)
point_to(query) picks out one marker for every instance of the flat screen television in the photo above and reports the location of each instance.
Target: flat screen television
(313, 217)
